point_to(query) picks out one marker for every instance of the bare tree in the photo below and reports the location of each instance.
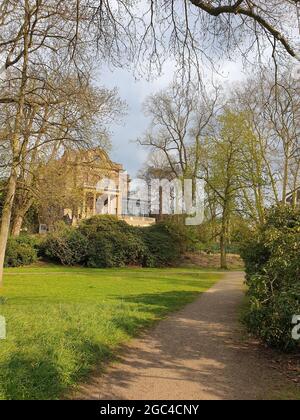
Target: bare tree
(181, 118)
(283, 112)
(273, 114)
(141, 32)
(194, 32)
(157, 168)
(78, 120)
(35, 44)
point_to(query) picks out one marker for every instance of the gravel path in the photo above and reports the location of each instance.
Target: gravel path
(198, 353)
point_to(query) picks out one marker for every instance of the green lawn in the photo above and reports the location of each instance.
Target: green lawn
(63, 321)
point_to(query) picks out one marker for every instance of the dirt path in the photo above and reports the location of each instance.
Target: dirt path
(197, 353)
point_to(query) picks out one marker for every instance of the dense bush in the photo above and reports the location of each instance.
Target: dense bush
(112, 243)
(164, 242)
(21, 251)
(205, 236)
(272, 260)
(105, 241)
(65, 245)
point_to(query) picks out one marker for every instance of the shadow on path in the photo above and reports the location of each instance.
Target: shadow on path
(198, 353)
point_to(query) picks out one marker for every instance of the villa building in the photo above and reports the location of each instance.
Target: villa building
(98, 186)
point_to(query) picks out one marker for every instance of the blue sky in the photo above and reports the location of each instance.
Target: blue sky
(134, 92)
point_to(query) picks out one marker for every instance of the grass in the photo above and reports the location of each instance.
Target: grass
(61, 322)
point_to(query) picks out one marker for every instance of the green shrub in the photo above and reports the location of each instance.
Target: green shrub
(65, 245)
(112, 243)
(164, 244)
(105, 241)
(20, 251)
(256, 254)
(272, 261)
(187, 237)
(272, 320)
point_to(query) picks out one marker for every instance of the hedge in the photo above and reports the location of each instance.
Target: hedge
(65, 245)
(21, 251)
(112, 243)
(272, 258)
(105, 241)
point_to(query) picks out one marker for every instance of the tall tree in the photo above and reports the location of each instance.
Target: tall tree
(180, 118)
(273, 112)
(35, 39)
(77, 120)
(221, 166)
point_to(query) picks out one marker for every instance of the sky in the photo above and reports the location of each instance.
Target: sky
(125, 149)
(125, 133)
(134, 92)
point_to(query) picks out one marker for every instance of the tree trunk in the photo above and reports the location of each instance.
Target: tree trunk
(223, 249)
(223, 240)
(285, 181)
(295, 199)
(17, 225)
(23, 207)
(296, 186)
(6, 218)
(15, 147)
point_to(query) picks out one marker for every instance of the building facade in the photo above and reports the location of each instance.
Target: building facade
(99, 186)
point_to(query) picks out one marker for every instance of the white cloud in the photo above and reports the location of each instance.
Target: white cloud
(134, 91)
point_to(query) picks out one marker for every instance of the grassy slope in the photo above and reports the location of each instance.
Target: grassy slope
(62, 321)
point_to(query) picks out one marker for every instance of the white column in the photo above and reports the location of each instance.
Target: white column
(115, 205)
(119, 204)
(109, 204)
(94, 204)
(84, 205)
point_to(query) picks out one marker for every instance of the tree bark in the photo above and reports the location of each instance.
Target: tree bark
(21, 208)
(6, 218)
(15, 146)
(17, 225)
(223, 244)
(285, 181)
(224, 231)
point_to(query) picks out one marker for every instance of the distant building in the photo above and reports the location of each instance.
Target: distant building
(97, 186)
(84, 172)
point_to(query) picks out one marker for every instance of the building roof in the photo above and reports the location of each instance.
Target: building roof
(95, 157)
